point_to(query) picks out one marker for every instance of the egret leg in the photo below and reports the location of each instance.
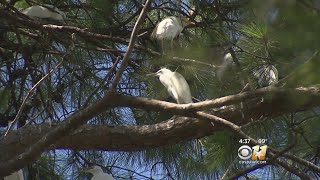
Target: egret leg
(246, 88)
(162, 47)
(49, 121)
(200, 143)
(174, 117)
(171, 44)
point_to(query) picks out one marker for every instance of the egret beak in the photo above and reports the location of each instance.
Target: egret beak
(152, 74)
(87, 170)
(192, 23)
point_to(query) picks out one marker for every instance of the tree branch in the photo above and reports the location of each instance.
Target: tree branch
(129, 138)
(30, 24)
(133, 38)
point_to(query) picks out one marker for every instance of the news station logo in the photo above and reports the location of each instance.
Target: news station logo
(255, 153)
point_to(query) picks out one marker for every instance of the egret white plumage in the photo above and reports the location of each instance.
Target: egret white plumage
(228, 58)
(176, 85)
(227, 61)
(169, 28)
(45, 11)
(18, 175)
(98, 173)
(266, 75)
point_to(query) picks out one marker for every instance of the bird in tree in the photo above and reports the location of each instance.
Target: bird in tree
(98, 173)
(45, 11)
(226, 64)
(266, 75)
(169, 28)
(18, 175)
(175, 84)
(228, 58)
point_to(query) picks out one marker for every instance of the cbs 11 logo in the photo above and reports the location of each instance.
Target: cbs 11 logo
(245, 152)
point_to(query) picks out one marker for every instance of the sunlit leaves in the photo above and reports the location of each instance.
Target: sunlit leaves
(253, 30)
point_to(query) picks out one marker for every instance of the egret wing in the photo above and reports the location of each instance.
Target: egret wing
(266, 75)
(166, 81)
(102, 176)
(177, 27)
(45, 12)
(161, 30)
(18, 175)
(168, 28)
(154, 32)
(182, 88)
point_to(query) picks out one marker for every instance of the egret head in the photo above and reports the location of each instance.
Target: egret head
(228, 58)
(161, 72)
(64, 16)
(94, 170)
(185, 21)
(59, 15)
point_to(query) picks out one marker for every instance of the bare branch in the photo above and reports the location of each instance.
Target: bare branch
(196, 61)
(133, 38)
(29, 94)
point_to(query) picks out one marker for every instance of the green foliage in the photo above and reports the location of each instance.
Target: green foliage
(254, 31)
(21, 4)
(4, 96)
(221, 150)
(102, 17)
(45, 168)
(305, 75)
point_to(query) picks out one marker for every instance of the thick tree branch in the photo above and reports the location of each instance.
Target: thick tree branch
(161, 134)
(30, 24)
(123, 138)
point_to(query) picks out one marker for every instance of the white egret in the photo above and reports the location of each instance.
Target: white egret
(18, 175)
(169, 28)
(227, 61)
(266, 75)
(228, 58)
(98, 173)
(45, 12)
(176, 85)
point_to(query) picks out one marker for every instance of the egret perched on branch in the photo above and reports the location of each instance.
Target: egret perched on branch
(45, 11)
(266, 75)
(176, 85)
(18, 175)
(228, 58)
(169, 28)
(227, 61)
(98, 173)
